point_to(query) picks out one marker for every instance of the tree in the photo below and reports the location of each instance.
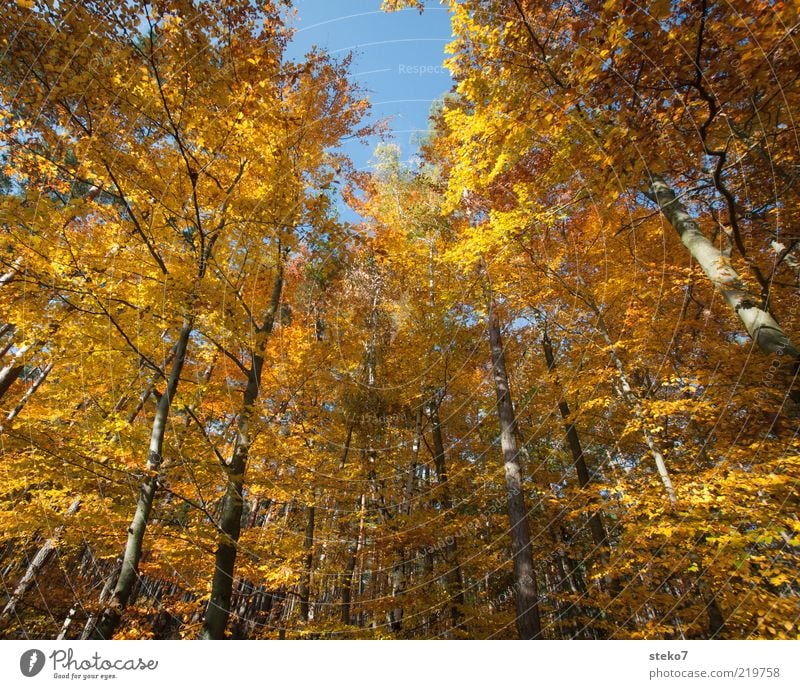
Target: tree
(228, 413)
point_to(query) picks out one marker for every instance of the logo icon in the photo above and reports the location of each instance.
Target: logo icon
(31, 662)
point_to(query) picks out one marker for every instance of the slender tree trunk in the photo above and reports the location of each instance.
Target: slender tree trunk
(352, 560)
(37, 564)
(218, 611)
(347, 587)
(759, 323)
(528, 623)
(12, 371)
(6, 329)
(51, 545)
(599, 535)
(397, 581)
(8, 276)
(635, 403)
(453, 578)
(568, 578)
(112, 613)
(716, 618)
(786, 255)
(62, 634)
(28, 394)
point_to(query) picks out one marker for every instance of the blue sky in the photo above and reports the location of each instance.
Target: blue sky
(397, 60)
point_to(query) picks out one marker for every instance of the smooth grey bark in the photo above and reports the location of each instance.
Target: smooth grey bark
(62, 634)
(599, 535)
(11, 371)
(758, 322)
(8, 276)
(526, 593)
(28, 394)
(218, 610)
(8, 328)
(453, 579)
(112, 612)
(36, 565)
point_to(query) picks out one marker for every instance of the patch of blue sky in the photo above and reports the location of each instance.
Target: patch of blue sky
(397, 62)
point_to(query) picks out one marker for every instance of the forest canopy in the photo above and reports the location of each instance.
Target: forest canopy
(544, 387)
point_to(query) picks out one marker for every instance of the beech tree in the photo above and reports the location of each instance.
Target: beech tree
(544, 387)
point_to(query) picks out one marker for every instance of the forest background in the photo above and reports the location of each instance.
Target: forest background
(268, 374)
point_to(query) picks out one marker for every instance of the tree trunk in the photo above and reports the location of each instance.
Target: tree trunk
(759, 323)
(145, 393)
(62, 634)
(12, 371)
(218, 611)
(528, 623)
(8, 375)
(397, 588)
(599, 535)
(36, 565)
(112, 613)
(786, 255)
(347, 587)
(51, 545)
(6, 329)
(8, 276)
(453, 578)
(28, 394)
(635, 403)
